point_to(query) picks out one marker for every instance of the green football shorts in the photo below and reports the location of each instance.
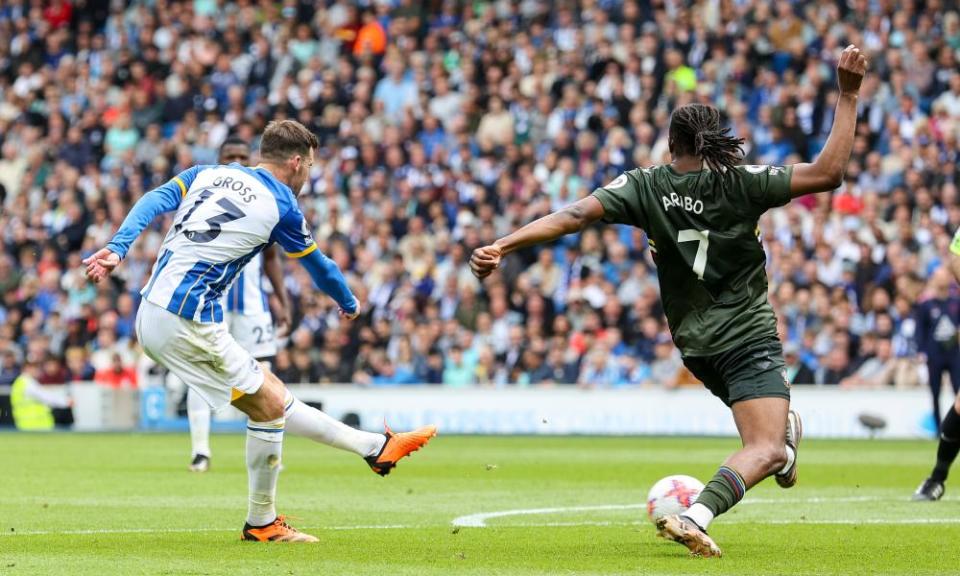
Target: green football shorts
(754, 370)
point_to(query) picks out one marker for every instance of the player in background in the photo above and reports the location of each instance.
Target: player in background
(949, 445)
(248, 317)
(700, 214)
(226, 215)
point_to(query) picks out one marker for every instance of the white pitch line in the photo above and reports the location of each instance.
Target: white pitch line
(844, 522)
(479, 520)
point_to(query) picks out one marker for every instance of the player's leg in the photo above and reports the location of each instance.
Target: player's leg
(198, 416)
(750, 380)
(955, 373)
(947, 449)
(211, 362)
(254, 332)
(761, 423)
(935, 381)
(381, 451)
(264, 450)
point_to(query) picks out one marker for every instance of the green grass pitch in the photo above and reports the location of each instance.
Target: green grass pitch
(80, 504)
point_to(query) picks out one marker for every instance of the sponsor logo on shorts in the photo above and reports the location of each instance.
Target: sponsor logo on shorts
(255, 366)
(786, 381)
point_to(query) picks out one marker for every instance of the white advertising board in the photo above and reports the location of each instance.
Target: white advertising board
(827, 412)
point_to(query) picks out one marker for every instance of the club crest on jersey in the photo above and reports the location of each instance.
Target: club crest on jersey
(674, 200)
(305, 231)
(618, 182)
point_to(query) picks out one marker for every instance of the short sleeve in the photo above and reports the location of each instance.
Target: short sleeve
(621, 200)
(955, 244)
(766, 187)
(293, 234)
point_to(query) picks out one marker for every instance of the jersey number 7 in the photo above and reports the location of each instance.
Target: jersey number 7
(703, 237)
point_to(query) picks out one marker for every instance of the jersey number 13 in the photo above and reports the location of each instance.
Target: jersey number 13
(231, 212)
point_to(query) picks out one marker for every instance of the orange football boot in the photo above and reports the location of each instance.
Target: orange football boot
(399, 445)
(278, 531)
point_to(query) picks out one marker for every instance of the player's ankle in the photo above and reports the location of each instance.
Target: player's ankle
(699, 515)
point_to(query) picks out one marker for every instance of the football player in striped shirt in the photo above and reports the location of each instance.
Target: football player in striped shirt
(225, 216)
(248, 318)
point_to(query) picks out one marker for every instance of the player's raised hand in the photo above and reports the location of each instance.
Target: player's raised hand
(851, 69)
(101, 264)
(485, 260)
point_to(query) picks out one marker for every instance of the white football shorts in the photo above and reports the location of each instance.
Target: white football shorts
(254, 332)
(205, 356)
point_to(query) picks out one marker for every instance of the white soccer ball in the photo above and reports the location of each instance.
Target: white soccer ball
(672, 495)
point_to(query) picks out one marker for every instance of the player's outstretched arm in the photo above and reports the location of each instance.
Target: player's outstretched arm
(292, 233)
(166, 198)
(328, 278)
(826, 172)
(571, 219)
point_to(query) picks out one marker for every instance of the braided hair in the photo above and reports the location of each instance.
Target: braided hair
(696, 130)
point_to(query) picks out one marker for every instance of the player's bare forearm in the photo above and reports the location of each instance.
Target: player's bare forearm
(273, 268)
(569, 220)
(826, 172)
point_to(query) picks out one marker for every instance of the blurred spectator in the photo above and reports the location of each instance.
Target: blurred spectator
(877, 371)
(33, 406)
(667, 364)
(835, 367)
(797, 371)
(458, 372)
(116, 375)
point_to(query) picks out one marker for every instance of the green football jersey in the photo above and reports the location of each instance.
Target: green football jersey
(703, 232)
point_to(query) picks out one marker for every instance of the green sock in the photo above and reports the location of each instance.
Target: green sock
(724, 490)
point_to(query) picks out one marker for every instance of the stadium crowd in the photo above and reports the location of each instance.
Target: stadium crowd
(445, 124)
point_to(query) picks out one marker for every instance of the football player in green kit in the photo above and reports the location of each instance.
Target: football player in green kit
(700, 215)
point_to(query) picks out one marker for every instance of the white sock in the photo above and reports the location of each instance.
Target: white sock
(304, 420)
(791, 458)
(699, 514)
(198, 415)
(264, 447)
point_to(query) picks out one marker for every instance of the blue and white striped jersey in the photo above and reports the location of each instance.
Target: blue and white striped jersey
(247, 296)
(226, 216)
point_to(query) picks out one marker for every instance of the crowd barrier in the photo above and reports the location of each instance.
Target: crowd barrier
(828, 412)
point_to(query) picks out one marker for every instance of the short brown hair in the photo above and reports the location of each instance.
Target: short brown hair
(283, 139)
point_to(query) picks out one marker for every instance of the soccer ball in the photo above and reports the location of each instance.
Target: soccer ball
(672, 495)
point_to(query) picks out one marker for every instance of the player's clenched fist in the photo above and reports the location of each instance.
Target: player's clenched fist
(485, 260)
(850, 70)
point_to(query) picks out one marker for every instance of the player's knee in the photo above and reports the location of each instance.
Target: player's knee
(775, 456)
(273, 408)
(770, 456)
